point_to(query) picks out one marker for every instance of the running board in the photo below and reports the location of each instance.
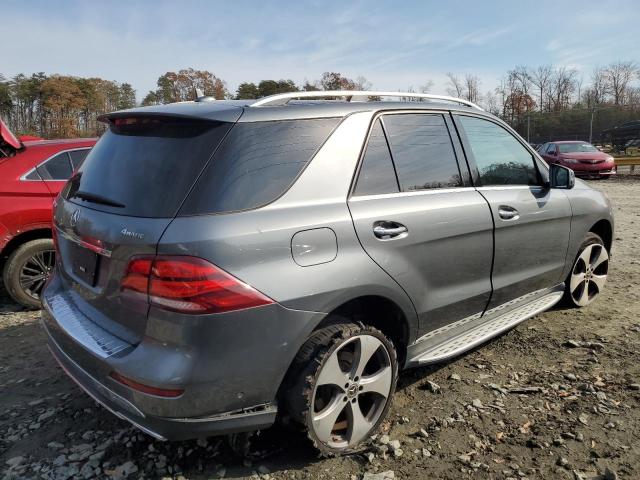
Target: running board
(480, 333)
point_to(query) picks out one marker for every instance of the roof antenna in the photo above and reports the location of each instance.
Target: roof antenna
(201, 97)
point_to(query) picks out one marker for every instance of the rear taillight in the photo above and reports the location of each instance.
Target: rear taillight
(189, 285)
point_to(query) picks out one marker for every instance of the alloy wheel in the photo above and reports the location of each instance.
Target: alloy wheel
(589, 274)
(351, 392)
(36, 271)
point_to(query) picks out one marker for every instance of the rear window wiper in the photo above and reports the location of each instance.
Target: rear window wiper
(92, 197)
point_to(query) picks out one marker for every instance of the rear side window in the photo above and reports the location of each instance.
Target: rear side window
(256, 163)
(377, 175)
(422, 151)
(77, 157)
(145, 166)
(500, 157)
(56, 168)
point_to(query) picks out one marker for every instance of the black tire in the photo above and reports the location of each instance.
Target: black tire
(591, 238)
(18, 261)
(309, 364)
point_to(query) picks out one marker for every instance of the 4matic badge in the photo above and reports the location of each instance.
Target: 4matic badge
(128, 233)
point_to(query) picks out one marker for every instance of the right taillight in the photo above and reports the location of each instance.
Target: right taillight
(189, 285)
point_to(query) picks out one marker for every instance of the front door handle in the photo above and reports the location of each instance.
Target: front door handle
(385, 230)
(508, 213)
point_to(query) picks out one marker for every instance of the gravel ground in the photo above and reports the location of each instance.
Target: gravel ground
(556, 397)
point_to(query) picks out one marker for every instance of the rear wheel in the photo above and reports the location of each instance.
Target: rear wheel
(343, 390)
(27, 269)
(589, 273)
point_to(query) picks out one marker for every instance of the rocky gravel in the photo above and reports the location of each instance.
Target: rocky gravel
(557, 397)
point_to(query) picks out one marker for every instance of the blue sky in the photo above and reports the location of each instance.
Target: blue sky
(395, 45)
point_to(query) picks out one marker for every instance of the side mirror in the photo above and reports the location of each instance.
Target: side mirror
(561, 177)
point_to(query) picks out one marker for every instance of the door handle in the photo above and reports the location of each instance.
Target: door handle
(508, 213)
(388, 230)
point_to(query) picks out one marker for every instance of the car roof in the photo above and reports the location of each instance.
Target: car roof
(228, 110)
(570, 141)
(58, 141)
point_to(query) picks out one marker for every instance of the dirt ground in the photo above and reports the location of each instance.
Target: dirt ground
(557, 397)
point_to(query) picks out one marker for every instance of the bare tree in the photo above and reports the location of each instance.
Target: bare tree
(455, 87)
(540, 78)
(561, 88)
(598, 90)
(490, 103)
(472, 88)
(426, 88)
(618, 77)
(522, 78)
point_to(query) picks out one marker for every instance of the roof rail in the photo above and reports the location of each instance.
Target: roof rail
(284, 98)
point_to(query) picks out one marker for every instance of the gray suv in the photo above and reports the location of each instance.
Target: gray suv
(220, 263)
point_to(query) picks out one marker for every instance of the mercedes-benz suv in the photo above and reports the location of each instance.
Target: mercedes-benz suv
(219, 262)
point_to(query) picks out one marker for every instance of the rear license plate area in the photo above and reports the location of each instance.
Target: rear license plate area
(84, 264)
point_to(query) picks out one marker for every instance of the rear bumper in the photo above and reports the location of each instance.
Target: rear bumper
(164, 428)
(230, 365)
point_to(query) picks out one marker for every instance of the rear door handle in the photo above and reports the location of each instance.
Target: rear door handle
(508, 213)
(385, 230)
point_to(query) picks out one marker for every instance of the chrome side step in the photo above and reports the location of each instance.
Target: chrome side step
(481, 332)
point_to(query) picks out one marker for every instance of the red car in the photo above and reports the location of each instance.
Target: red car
(32, 172)
(581, 157)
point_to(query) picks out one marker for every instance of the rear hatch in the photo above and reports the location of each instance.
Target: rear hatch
(119, 203)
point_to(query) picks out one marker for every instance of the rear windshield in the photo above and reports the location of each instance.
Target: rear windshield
(257, 163)
(145, 166)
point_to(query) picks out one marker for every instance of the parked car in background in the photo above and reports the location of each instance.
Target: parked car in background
(581, 157)
(32, 173)
(287, 255)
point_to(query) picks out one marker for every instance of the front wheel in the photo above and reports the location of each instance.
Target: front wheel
(344, 388)
(589, 273)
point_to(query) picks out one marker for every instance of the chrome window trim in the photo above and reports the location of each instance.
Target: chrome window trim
(509, 187)
(416, 193)
(24, 179)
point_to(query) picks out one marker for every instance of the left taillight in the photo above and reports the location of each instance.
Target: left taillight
(189, 285)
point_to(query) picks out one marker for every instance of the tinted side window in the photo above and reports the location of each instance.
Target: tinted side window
(77, 157)
(422, 151)
(57, 168)
(256, 163)
(33, 175)
(501, 159)
(551, 148)
(376, 175)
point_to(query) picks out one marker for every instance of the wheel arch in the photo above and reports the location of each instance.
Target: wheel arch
(379, 312)
(604, 230)
(22, 238)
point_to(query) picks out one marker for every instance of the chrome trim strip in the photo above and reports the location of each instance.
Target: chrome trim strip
(510, 187)
(24, 179)
(416, 193)
(77, 240)
(86, 333)
(283, 98)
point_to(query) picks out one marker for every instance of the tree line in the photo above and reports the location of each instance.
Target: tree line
(59, 106)
(540, 102)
